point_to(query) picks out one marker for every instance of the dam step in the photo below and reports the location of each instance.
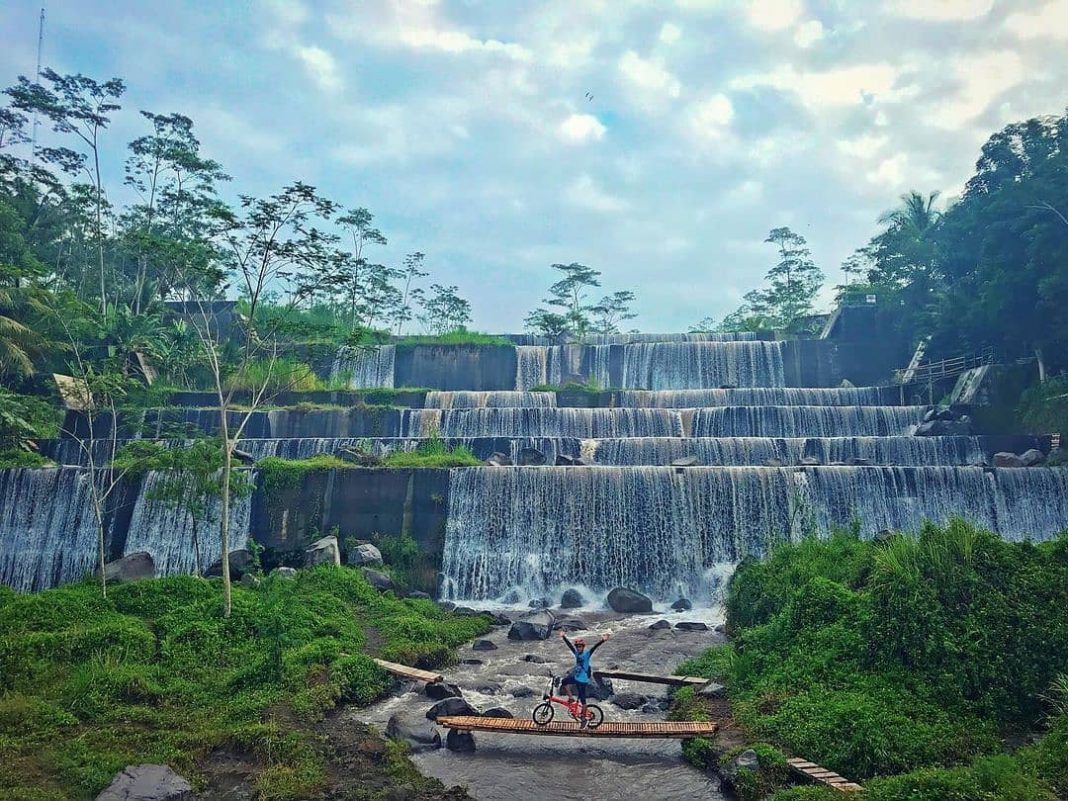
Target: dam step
(827, 778)
(658, 730)
(406, 672)
(675, 681)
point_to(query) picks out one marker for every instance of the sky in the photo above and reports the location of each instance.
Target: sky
(657, 141)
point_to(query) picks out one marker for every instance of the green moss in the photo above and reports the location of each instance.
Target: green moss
(155, 673)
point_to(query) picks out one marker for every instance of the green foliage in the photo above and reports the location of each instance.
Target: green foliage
(155, 673)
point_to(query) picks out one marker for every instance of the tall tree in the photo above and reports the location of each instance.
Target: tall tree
(80, 107)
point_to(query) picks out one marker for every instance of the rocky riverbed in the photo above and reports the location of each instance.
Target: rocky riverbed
(512, 675)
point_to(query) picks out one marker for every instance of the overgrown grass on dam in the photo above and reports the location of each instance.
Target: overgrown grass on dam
(904, 663)
(155, 674)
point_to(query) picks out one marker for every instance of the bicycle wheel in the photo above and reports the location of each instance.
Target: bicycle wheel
(594, 716)
(543, 714)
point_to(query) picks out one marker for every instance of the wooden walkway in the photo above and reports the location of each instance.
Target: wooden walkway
(677, 681)
(827, 778)
(406, 672)
(659, 730)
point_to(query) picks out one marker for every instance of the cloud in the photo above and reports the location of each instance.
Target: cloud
(808, 33)
(669, 33)
(710, 119)
(586, 194)
(650, 79)
(580, 128)
(942, 10)
(773, 15)
(320, 66)
(980, 79)
(1051, 20)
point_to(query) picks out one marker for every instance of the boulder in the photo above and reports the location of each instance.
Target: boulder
(629, 700)
(497, 712)
(539, 603)
(687, 625)
(377, 579)
(323, 552)
(1006, 459)
(440, 690)
(147, 783)
(284, 572)
(250, 581)
(450, 706)
(461, 741)
(685, 461)
(365, 555)
(132, 567)
(483, 645)
(413, 730)
(682, 605)
(572, 599)
(1032, 457)
(660, 625)
(419, 594)
(622, 599)
(530, 457)
(499, 460)
(241, 562)
(532, 626)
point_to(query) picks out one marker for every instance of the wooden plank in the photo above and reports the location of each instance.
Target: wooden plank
(659, 730)
(406, 672)
(678, 681)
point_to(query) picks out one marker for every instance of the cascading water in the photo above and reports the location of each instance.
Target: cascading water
(365, 368)
(806, 421)
(659, 529)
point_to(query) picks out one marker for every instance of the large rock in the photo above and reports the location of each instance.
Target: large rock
(629, 700)
(622, 599)
(682, 605)
(132, 567)
(530, 457)
(440, 690)
(147, 783)
(1032, 457)
(483, 645)
(365, 555)
(572, 599)
(688, 625)
(241, 561)
(323, 552)
(450, 706)
(461, 741)
(1006, 459)
(532, 626)
(377, 579)
(413, 730)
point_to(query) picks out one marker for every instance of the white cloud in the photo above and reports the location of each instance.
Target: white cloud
(320, 66)
(981, 80)
(1050, 20)
(844, 86)
(580, 128)
(865, 146)
(710, 119)
(808, 33)
(670, 33)
(773, 15)
(585, 193)
(653, 82)
(942, 10)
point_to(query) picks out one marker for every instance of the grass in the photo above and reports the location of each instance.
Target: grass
(902, 663)
(156, 674)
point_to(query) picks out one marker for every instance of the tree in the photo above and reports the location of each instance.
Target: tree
(611, 310)
(78, 106)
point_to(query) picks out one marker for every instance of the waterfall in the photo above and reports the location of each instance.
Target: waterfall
(543, 422)
(806, 421)
(47, 527)
(659, 529)
(167, 531)
(477, 400)
(758, 396)
(366, 368)
(759, 451)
